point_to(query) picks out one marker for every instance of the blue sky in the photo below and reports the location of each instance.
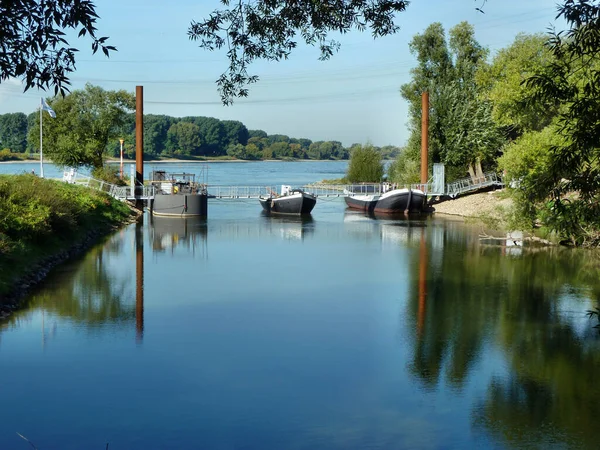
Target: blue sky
(353, 97)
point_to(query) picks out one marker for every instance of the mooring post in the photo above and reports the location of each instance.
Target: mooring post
(139, 146)
(424, 137)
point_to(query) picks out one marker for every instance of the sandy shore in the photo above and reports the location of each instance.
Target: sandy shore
(484, 204)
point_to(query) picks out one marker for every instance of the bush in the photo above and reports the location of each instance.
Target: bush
(365, 165)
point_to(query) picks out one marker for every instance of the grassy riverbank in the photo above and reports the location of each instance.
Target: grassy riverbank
(43, 222)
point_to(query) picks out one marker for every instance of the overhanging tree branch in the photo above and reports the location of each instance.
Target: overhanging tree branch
(270, 29)
(33, 45)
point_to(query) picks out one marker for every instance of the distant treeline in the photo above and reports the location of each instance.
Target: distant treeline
(174, 137)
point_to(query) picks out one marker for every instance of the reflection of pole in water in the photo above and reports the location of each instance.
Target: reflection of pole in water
(139, 280)
(422, 282)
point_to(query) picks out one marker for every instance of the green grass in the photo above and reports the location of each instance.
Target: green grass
(41, 217)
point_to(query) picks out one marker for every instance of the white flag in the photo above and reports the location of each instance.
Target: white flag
(46, 107)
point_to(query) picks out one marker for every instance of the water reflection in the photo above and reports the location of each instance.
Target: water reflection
(527, 306)
(169, 233)
(409, 330)
(87, 290)
(288, 227)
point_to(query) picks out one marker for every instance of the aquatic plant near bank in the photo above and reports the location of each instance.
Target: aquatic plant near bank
(40, 218)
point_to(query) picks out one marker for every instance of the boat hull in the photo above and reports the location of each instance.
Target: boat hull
(180, 205)
(300, 203)
(399, 201)
(364, 203)
(392, 202)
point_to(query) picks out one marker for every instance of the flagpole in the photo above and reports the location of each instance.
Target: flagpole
(41, 144)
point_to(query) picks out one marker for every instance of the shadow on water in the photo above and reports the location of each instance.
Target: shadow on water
(468, 301)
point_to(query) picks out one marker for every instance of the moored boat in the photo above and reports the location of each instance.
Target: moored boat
(290, 201)
(391, 202)
(178, 195)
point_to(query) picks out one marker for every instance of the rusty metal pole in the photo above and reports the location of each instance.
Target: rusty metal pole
(424, 137)
(139, 281)
(139, 145)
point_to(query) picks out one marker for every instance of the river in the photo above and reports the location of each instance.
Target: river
(339, 331)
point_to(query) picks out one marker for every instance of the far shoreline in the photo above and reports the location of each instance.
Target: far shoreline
(180, 161)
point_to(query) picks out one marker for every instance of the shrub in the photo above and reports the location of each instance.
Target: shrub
(365, 165)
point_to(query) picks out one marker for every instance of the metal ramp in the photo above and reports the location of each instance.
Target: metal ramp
(472, 184)
(119, 192)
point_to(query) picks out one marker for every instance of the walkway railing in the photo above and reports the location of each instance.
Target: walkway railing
(240, 191)
(119, 192)
(321, 190)
(472, 184)
(343, 190)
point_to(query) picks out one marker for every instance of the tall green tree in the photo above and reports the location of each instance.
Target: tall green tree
(461, 130)
(86, 121)
(13, 132)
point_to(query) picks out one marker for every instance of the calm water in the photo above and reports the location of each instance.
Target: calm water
(340, 331)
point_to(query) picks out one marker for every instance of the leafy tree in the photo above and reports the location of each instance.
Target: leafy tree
(13, 132)
(155, 133)
(34, 47)
(253, 152)
(212, 134)
(280, 149)
(365, 165)
(235, 132)
(572, 80)
(503, 84)
(461, 130)
(257, 134)
(260, 142)
(86, 121)
(269, 30)
(186, 138)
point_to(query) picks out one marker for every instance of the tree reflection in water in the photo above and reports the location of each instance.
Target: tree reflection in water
(85, 290)
(530, 307)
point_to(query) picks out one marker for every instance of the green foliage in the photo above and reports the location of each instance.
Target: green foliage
(7, 155)
(34, 44)
(525, 163)
(503, 84)
(86, 120)
(269, 30)
(365, 165)
(39, 216)
(184, 138)
(405, 169)
(13, 132)
(33, 208)
(461, 130)
(569, 183)
(164, 136)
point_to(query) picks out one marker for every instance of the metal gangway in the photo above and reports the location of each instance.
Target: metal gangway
(472, 184)
(432, 189)
(119, 192)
